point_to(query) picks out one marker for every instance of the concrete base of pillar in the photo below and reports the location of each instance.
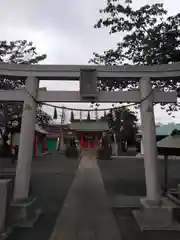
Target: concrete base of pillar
(24, 213)
(6, 233)
(124, 201)
(157, 217)
(62, 149)
(114, 149)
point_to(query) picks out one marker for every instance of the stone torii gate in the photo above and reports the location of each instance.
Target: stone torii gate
(88, 76)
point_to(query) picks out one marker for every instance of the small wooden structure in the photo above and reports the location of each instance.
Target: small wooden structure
(162, 131)
(170, 146)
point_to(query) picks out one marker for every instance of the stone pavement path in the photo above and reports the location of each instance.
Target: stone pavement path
(86, 213)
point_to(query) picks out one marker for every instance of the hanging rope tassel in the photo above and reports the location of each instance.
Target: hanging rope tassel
(96, 114)
(80, 116)
(114, 115)
(55, 113)
(63, 116)
(88, 116)
(72, 116)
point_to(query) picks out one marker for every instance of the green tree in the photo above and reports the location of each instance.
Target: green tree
(147, 37)
(42, 117)
(18, 52)
(123, 123)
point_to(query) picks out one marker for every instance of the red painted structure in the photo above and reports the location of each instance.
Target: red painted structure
(44, 144)
(35, 143)
(39, 139)
(89, 132)
(89, 139)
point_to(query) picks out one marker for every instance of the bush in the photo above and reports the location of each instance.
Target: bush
(5, 151)
(105, 153)
(71, 151)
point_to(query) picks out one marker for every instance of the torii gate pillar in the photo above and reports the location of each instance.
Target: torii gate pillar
(149, 140)
(156, 212)
(23, 169)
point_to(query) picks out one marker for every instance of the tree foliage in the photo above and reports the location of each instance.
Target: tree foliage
(19, 52)
(123, 123)
(42, 117)
(147, 36)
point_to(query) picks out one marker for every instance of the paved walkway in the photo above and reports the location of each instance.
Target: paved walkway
(86, 213)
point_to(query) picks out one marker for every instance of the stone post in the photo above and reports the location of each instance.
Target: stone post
(43, 143)
(62, 140)
(149, 141)
(141, 147)
(23, 169)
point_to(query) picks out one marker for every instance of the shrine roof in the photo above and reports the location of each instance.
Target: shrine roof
(170, 142)
(39, 129)
(164, 130)
(93, 126)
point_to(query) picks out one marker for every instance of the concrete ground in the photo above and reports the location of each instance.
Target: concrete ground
(53, 175)
(86, 213)
(126, 177)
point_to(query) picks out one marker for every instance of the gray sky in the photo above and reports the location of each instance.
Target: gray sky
(64, 30)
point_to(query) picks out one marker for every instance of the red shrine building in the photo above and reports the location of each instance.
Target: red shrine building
(89, 132)
(40, 138)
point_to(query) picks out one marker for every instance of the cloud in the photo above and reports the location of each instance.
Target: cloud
(62, 29)
(69, 22)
